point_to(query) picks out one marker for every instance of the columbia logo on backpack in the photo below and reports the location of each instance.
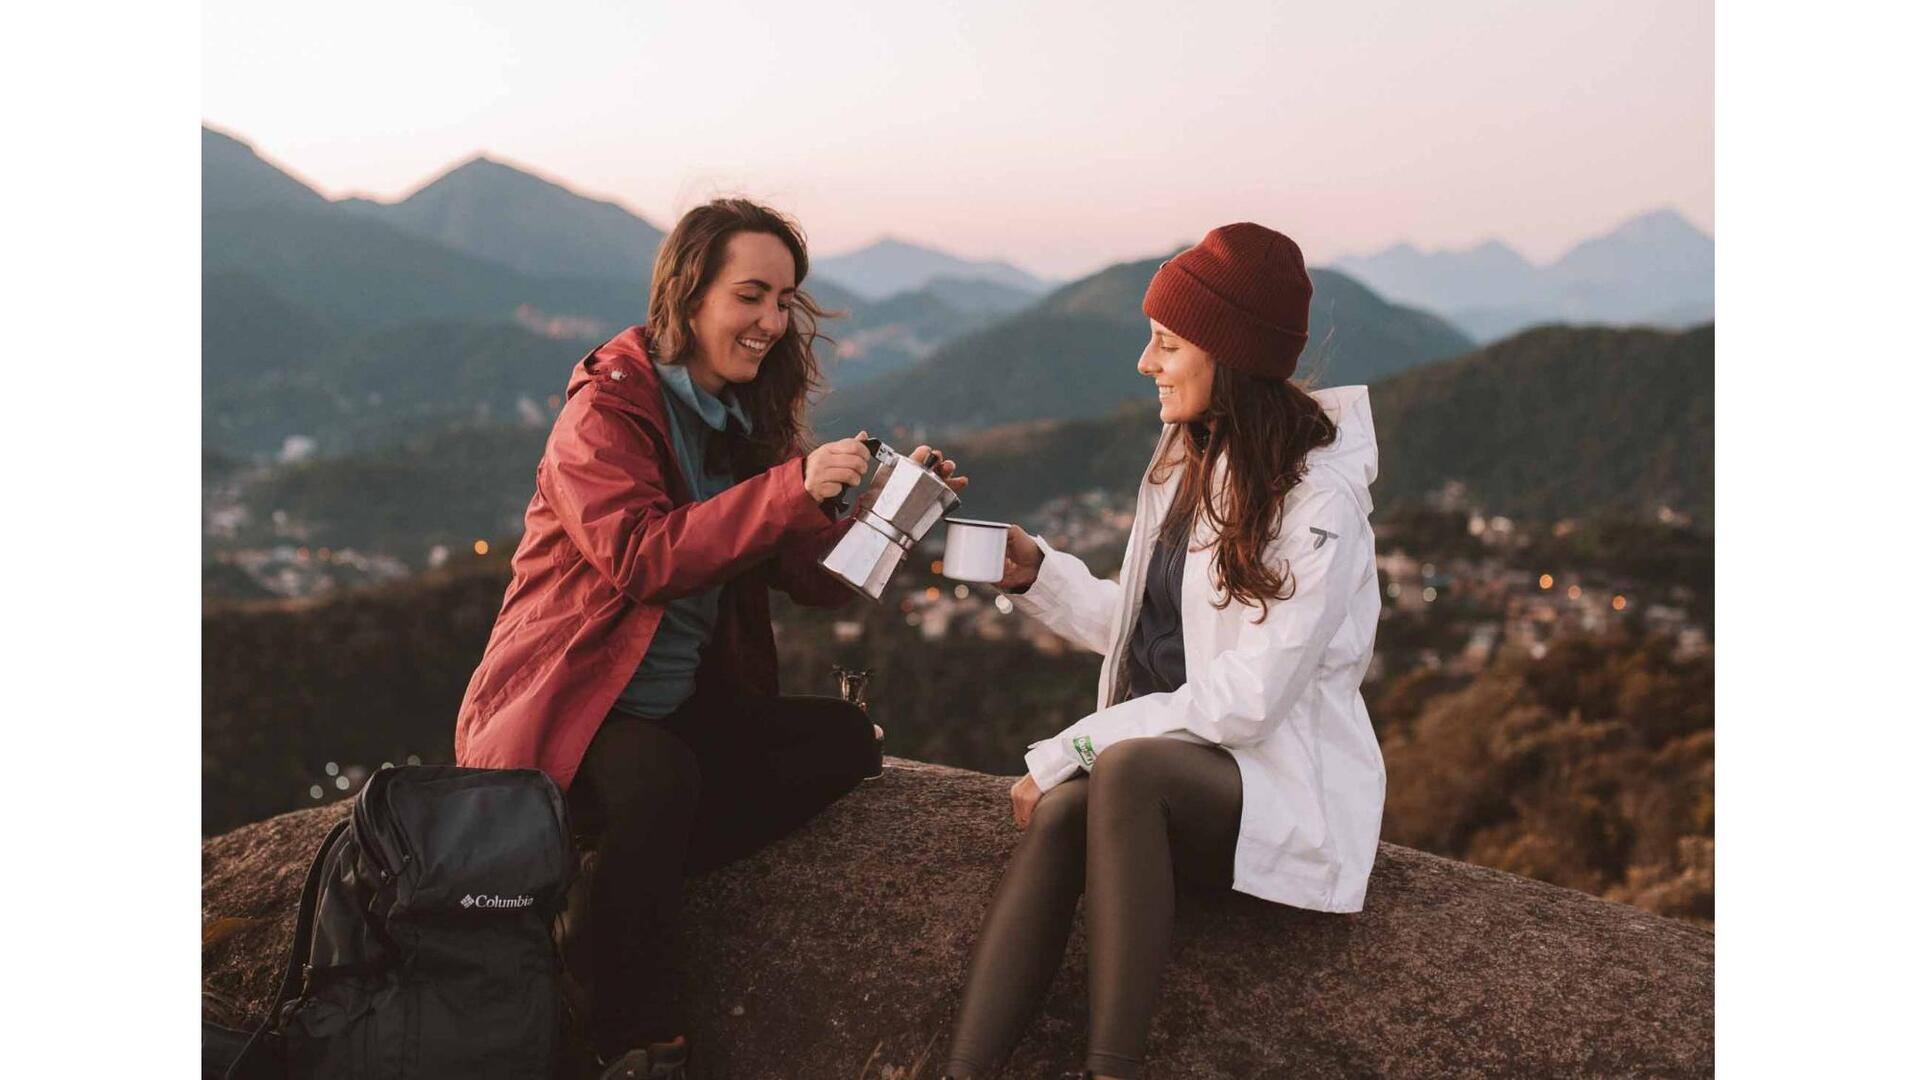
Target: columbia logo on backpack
(485, 901)
(389, 976)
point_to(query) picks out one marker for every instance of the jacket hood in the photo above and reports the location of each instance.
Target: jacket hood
(624, 376)
(1354, 455)
(621, 365)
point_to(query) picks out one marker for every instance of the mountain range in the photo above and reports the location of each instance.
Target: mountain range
(234, 177)
(294, 279)
(889, 266)
(1554, 422)
(1558, 421)
(509, 216)
(503, 214)
(1655, 269)
(417, 348)
(289, 276)
(1072, 355)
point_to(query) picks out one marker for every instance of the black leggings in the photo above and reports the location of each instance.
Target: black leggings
(1150, 809)
(714, 781)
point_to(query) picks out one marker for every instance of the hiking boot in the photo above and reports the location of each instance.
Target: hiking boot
(656, 1061)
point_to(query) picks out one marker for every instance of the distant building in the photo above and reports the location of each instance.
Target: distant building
(1481, 642)
(1450, 497)
(1692, 644)
(297, 448)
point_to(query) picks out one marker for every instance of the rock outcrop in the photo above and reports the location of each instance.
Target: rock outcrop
(840, 950)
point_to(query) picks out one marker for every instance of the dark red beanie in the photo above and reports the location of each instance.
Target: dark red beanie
(1241, 294)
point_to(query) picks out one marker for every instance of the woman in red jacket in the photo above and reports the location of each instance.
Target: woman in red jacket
(633, 657)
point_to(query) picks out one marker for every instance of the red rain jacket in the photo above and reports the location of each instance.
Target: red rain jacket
(612, 535)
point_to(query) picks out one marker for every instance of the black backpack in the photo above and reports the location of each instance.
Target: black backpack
(424, 943)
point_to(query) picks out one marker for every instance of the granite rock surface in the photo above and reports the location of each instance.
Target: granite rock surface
(840, 950)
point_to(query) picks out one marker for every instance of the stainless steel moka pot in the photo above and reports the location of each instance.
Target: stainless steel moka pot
(908, 504)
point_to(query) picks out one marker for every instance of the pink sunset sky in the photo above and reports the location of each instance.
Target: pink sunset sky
(1059, 136)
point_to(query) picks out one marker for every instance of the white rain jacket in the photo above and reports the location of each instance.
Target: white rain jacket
(1283, 696)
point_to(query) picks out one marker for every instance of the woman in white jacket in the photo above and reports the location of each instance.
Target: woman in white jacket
(1229, 746)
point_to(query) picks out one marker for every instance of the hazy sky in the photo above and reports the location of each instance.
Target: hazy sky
(1060, 135)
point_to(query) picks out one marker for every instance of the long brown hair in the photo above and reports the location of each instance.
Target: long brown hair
(1265, 428)
(776, 400)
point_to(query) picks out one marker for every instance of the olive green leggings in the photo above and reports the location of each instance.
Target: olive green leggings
(1149, 809)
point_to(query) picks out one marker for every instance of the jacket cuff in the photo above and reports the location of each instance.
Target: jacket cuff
(1050, 761)
(808, 514)
(1043, 596)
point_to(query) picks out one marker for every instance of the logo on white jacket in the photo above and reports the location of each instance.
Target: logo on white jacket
(1083, 746)
(1321, 536)
(485, 900)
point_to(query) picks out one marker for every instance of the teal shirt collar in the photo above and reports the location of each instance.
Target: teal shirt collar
(712, 411)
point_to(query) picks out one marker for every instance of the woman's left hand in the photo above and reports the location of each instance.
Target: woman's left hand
(945, 469)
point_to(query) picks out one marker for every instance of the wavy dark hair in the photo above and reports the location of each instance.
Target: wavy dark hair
(776, 400)
(1264, 428)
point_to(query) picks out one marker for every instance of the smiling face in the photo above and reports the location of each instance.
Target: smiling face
(1183, 372)
(743, 312)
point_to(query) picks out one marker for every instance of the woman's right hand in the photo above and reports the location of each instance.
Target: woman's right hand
(1026, 795)
(1023, 561)
(836, 466)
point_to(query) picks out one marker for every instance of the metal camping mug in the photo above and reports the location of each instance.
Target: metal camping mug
(976, 550)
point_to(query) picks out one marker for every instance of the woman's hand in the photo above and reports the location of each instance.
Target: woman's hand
(944, 470)
(836, 466)
(1026, 796)
(1023, 561)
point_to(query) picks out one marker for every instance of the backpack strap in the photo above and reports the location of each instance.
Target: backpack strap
(291, 980)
